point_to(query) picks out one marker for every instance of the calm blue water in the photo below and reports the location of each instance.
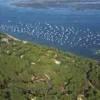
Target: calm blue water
(68, 29)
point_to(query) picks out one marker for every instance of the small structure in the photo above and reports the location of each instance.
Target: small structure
(33, 98)
(21, 56)
(25, 42)
(33, 63)
(57, 62)
(80, 97)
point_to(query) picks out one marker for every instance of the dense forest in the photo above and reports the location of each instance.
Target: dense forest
(33, 72)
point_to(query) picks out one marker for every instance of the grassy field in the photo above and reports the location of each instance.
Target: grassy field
(34, 72)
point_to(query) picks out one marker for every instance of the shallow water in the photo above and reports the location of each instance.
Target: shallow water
(65, 28)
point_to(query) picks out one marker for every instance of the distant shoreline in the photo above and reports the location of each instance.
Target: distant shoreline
(54, 48)
(60, 4)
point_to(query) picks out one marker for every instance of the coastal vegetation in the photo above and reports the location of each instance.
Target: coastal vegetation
(34, 72)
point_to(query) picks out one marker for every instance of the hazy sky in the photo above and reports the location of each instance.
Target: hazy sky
(51, 0)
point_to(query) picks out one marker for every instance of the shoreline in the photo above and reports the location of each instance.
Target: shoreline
(51, 47)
